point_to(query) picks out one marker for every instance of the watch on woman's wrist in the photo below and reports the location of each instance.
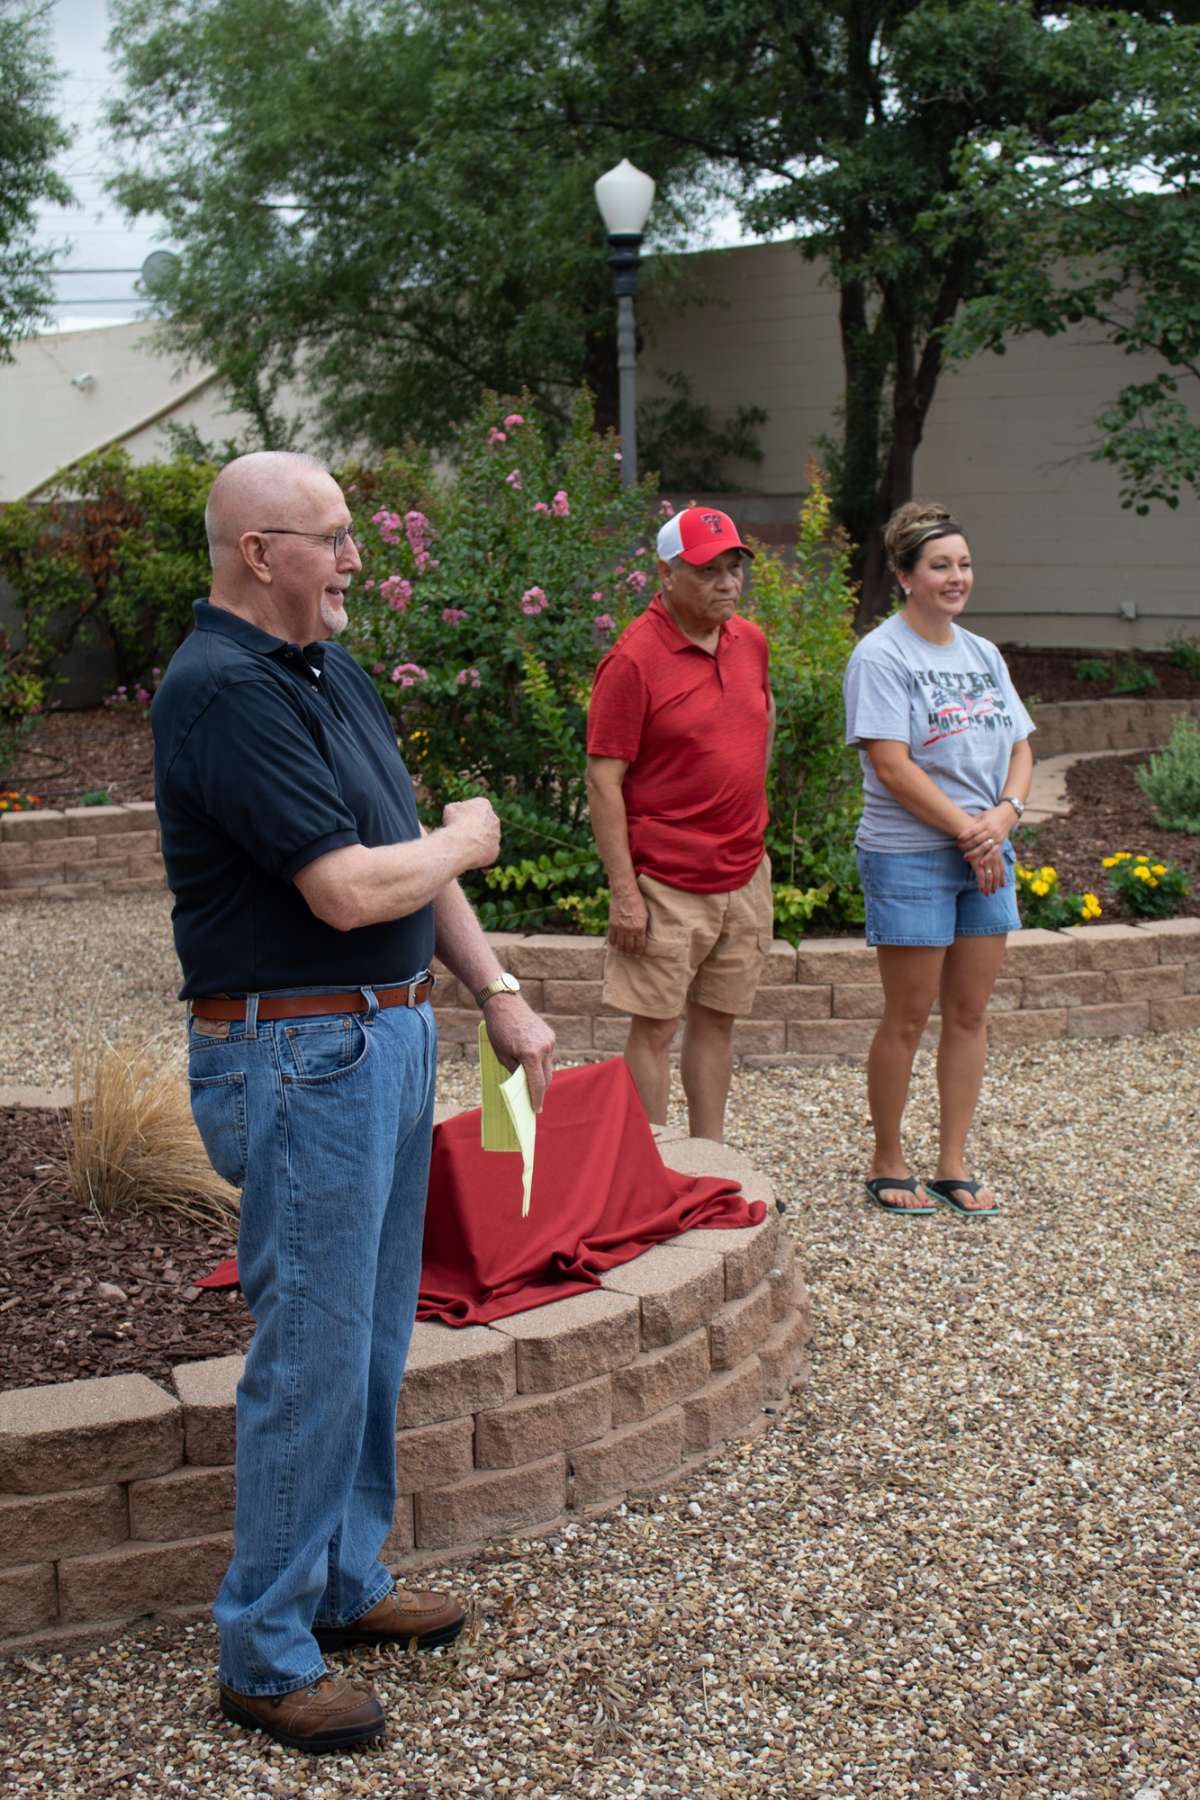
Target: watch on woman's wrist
(1018, 806)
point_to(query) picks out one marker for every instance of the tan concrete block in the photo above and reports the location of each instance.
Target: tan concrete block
(724, 1407)
(30, 876)
(829, 960)
(452, 1373)
(703, 1156)
(431, 1455)
(23, 827)
(610, 1031)
(1120, 1019)
(142, 1578)
(458, 1025)
(579, 997)
(558, 957)
(678, 1290)
(140, 867)
(1178, 940)
(629, 1457)
(208, 1391)
(85, 1433)
(572, 1341)
(189, 1503)
(108, 821)
(659, 1378)
(32, 853)
(72, 892)
(780, 966)
(502, 943)
(760, 1037)
(401, 1539)
(835, 1037)
(781, 1275)
(490, 1503)
(28, 1598)
(96, 868)
(736, 1331)
(1191, 978)
(1180, 1014)
(136, 884)
(1112, 947)
(1036, 1027)
(449, 992)
(572, 1031)
(1036, 952)
(540, 1425)
(1165, 982)
(858, 1000)
(1082, 987)
(792, 1002)
(54, 1525)
(782, 1354)
(121, 843)
(749, 1252)
(140, 815)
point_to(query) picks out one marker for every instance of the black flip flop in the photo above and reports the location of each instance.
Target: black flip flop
(876, 1184)
(945, 1190)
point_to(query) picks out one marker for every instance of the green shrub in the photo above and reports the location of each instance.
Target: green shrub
(22, 695)
(1171, 779)
(1092, 668)
(1132, 677)
(1185, 655)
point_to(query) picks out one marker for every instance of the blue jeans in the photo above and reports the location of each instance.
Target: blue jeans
(325, 1124)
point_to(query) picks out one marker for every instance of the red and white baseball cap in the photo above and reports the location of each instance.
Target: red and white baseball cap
(699, 533)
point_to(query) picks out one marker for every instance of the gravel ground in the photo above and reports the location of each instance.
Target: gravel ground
(964, 1563)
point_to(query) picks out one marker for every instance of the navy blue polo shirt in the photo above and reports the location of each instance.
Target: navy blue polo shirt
(267, 756)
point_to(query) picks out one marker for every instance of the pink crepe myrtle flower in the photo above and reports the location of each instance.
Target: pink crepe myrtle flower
(368, 585)
(142, 696)
(408, 674)
(617, 457)
(604, 622)
(598, 594)
(378, 668)
(667, 510)
(397, 592)
(389, 525)
(636, 579)
(539, 506)
(513, 479)
(453, 615)
(419, 532)
(497, 437)
(619, 570)
(513, 419)
(560, 506)
(467, 678)
(533, 601)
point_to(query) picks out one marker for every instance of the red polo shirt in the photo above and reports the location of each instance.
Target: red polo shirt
(693, 729)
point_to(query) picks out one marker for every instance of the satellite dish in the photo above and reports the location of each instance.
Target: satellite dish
(158, 269)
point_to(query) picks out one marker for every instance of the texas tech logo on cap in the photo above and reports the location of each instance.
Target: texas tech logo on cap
(698, 534)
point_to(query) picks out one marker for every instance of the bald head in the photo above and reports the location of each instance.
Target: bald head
(262, 489)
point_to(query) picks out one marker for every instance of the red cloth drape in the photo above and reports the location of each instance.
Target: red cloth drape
(601, 1195)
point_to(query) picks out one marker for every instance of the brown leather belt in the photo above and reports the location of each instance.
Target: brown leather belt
(305, 1006)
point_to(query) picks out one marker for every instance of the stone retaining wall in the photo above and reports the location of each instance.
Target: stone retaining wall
(83, 851)
(116, 1494)
(1072, 727)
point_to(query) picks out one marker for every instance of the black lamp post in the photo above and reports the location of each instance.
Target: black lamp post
(625, 197)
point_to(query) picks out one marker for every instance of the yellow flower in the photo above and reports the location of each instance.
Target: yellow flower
(1142, 873)
(1110, 862)
(1040, 888)
(1047, 874)
(1141, 859)
(1121, 856)
(1158, 868)
(1153, 880)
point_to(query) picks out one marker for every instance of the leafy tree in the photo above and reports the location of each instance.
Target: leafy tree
(1109, 228)
(30, 138)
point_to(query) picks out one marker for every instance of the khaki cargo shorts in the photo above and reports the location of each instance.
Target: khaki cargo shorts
(704, 947)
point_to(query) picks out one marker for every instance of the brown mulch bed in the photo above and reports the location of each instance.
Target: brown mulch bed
(1049, 675)
(70, 754)
(58, 1261)
(1109, 812)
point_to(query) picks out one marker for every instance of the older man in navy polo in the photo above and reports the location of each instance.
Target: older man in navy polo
(308, 905)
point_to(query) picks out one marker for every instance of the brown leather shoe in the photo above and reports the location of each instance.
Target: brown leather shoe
(332, 1714)
(398, 1618)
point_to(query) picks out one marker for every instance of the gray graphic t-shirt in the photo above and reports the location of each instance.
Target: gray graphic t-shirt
(955, 707)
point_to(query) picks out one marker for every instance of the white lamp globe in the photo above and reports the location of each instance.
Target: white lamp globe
(624, 196)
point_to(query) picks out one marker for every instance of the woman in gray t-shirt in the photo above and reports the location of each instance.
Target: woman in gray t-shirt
(944, 744)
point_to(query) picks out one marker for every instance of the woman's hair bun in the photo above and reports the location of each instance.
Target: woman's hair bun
(912, 525)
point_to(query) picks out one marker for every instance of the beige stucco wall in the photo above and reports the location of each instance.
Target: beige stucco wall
(1006, 447)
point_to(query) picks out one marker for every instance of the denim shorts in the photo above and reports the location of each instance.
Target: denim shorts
(927, 898)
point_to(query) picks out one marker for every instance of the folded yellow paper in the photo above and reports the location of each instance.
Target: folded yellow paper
(507, 1118)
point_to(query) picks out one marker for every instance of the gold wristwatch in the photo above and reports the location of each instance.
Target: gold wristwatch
(504, 983)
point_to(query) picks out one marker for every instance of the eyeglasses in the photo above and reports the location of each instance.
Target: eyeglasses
(336, 538)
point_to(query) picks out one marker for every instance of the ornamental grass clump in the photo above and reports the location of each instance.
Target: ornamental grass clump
(1145, 888)
(132, 1144)
(1171, 779)
(1043, 904)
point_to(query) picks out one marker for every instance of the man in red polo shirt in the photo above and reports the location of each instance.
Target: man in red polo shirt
(679, 737)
